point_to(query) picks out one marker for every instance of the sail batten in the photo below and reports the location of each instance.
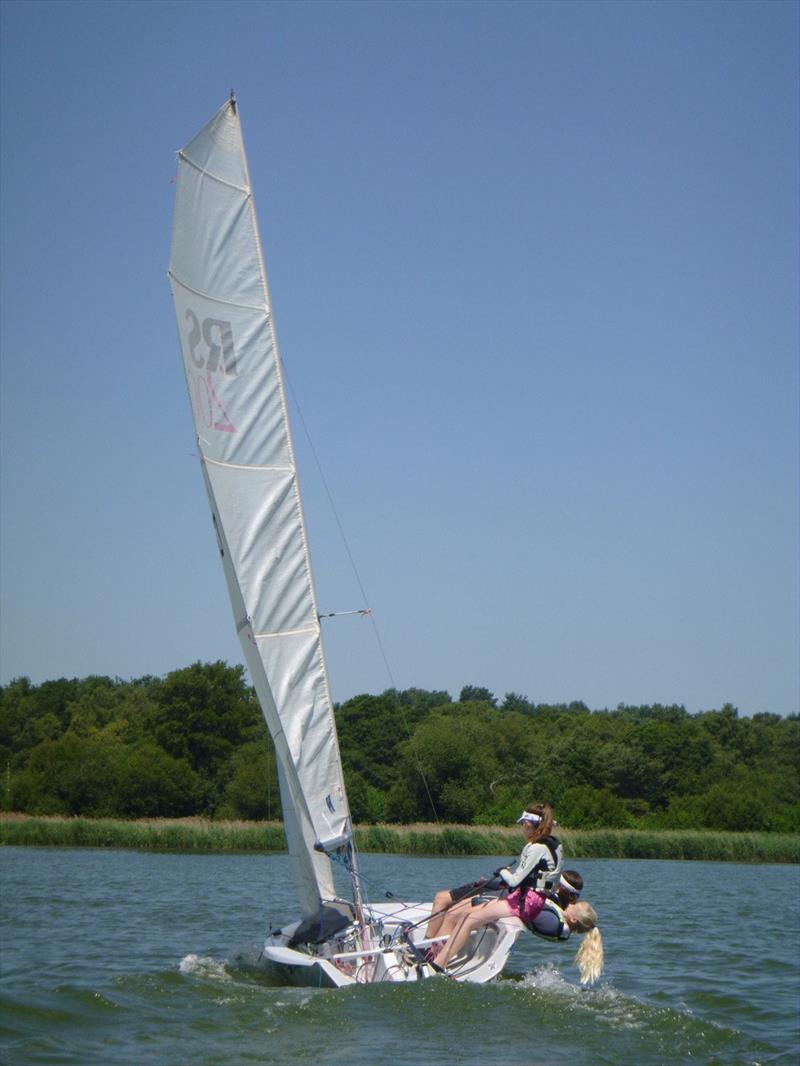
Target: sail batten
(216, 299)
(234, 377)
(238, 466)
(285, 633)
(244, 189)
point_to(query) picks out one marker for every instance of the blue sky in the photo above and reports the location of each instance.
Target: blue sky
(535, 275)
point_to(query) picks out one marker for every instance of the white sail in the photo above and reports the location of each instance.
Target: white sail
(233, 373)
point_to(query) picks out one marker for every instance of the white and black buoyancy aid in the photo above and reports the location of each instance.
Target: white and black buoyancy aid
(539, 866)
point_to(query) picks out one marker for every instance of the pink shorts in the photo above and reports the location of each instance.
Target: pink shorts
(526, 908)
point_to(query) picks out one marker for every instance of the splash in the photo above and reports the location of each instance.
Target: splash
(548, 979)
(203, 966)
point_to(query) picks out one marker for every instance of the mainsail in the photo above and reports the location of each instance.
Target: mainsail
(234, 377)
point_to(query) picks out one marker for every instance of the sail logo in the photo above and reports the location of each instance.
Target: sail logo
(212, 353)
(217, 351)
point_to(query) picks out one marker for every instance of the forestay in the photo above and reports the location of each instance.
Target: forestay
(234, 377)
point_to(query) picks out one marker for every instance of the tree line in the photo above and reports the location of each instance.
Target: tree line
(194, 743)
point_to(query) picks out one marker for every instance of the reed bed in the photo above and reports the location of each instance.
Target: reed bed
(157, 834)
(708, 845)
(586, 843)
(201, 835)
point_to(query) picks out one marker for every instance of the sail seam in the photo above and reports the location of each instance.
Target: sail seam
(248, 466)
(213, 176)
(286, 633)
(218, 299)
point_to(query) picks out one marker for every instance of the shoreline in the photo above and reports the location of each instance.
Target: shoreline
(204, 836)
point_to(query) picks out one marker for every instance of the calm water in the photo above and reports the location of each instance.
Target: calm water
(124, 957)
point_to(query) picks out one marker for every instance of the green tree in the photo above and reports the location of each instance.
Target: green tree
(373, 731)
(516, 704)
(70, 775)
(202, 714)
(474, 694)
(450, 762)
(585, 807)
(251, 791)
(367, 804)
(195, 741)
(151, 784)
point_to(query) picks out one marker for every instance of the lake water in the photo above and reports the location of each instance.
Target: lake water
(126, 957)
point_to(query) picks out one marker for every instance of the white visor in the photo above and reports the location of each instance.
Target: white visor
(528, 816)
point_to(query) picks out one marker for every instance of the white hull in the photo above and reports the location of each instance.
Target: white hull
(391, 951)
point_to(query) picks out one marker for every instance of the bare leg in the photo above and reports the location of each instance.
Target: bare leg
(483, 914)
(442, 901)
(447, 922)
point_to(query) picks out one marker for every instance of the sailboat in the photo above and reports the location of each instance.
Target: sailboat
(236, 388)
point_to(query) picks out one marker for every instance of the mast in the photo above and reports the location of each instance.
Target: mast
(236, 388)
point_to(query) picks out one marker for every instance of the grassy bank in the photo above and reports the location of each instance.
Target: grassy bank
(199, 835)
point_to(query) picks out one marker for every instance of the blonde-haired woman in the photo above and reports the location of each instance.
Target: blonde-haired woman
(563, 914)
(581, 917)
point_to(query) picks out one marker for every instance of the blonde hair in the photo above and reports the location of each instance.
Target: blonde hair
(589, 956)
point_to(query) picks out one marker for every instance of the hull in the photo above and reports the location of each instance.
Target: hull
(390, 950)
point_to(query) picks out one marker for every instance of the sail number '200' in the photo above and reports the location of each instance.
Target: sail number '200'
(210, 343)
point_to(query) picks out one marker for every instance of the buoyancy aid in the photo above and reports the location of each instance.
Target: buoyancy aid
(550, 923)
(539, 866)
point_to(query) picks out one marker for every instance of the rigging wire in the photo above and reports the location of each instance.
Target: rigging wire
(367, 611)
(368, 881)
